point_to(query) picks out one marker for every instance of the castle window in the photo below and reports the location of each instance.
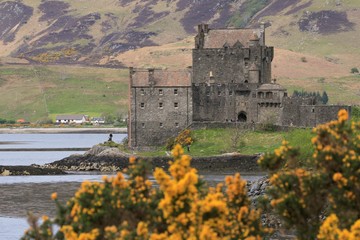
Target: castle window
(219, 84)
(285, 94)
(161, 92)
(230, 93)
(177, 124)
(142, 105)
(175, 91)
(161, 105)
(176, 105)
(143, 125)
(142, 91)
(219, 93)
(313, 110)
(246, 64)
(161, 125)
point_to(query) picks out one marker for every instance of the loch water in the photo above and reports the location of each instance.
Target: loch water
(22, 194)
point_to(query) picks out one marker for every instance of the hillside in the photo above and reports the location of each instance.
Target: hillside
(84, 31)
(316, 45)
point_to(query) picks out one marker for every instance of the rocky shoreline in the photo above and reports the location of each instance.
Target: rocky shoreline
(29, 170)
(110, 159)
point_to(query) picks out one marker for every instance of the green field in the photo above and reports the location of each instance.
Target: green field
(210, 142)
(37, 92)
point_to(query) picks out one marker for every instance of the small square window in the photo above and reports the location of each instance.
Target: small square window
(143, 125)
(161, 125)
(161, 105)
(177, 124)
(176, 105)
(142, 105)
(161, 92)
(230, 93)
(175, 91)
(142, 91)
(219, 93)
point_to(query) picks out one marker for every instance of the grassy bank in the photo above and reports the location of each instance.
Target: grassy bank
(211, 142)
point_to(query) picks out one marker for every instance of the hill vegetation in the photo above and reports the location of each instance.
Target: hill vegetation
(316, 48)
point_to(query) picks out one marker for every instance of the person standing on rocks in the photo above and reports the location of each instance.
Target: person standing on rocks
(110, 137)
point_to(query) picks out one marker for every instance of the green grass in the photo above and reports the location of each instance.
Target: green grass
(211, 142)
(37, 92)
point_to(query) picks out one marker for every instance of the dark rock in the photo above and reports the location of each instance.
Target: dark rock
(28, 170)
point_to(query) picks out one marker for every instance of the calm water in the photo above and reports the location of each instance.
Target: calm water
(20, 194)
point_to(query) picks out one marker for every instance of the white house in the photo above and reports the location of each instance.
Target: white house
(76, 118)
(98, 120)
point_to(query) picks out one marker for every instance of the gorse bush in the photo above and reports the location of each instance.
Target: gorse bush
(330, 185)
(184, 138)
(180, 208)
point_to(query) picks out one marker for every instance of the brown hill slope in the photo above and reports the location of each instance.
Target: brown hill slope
(83, 31)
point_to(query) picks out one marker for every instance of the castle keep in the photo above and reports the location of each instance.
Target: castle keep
(230, 81)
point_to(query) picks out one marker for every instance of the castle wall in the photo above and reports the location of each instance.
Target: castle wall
(303, 113)
(270, 113)
(158, 117)
(314, 115)
(291, 110)
(223, 79)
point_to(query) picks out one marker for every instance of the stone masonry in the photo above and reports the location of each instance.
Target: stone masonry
(230, 81)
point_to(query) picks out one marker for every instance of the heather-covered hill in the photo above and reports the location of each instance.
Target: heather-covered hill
(69, 31)
(93, 32)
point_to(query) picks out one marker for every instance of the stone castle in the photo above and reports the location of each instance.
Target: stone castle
(229, 82)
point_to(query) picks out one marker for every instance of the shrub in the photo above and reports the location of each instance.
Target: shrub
(354, 70)
(184, 138)
(181, 208)
(331, 183)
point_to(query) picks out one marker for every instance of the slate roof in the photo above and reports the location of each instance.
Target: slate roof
(217, 38)
(162, 78)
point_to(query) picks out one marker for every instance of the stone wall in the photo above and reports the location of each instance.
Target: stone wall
(302, 112)
(158, 117)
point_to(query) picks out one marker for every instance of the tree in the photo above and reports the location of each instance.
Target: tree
(325, 98)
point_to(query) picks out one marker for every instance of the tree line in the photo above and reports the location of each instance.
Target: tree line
(319, 98)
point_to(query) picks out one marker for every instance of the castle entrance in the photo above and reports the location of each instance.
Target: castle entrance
(242, 117)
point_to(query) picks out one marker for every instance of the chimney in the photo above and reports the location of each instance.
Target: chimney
(262, 30)
(151, 76)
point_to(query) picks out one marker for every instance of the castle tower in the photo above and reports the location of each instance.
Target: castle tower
(228, 65)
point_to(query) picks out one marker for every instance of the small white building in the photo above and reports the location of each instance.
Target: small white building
(68, 119)
(97, 120)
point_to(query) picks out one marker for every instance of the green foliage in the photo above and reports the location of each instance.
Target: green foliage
(247, 11)
(330, 183)
(111, 144)
(354, 70)
(6, 121)
(319, 99)
(355, 113)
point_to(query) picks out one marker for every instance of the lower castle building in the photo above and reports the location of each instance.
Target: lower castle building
(230, 81)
